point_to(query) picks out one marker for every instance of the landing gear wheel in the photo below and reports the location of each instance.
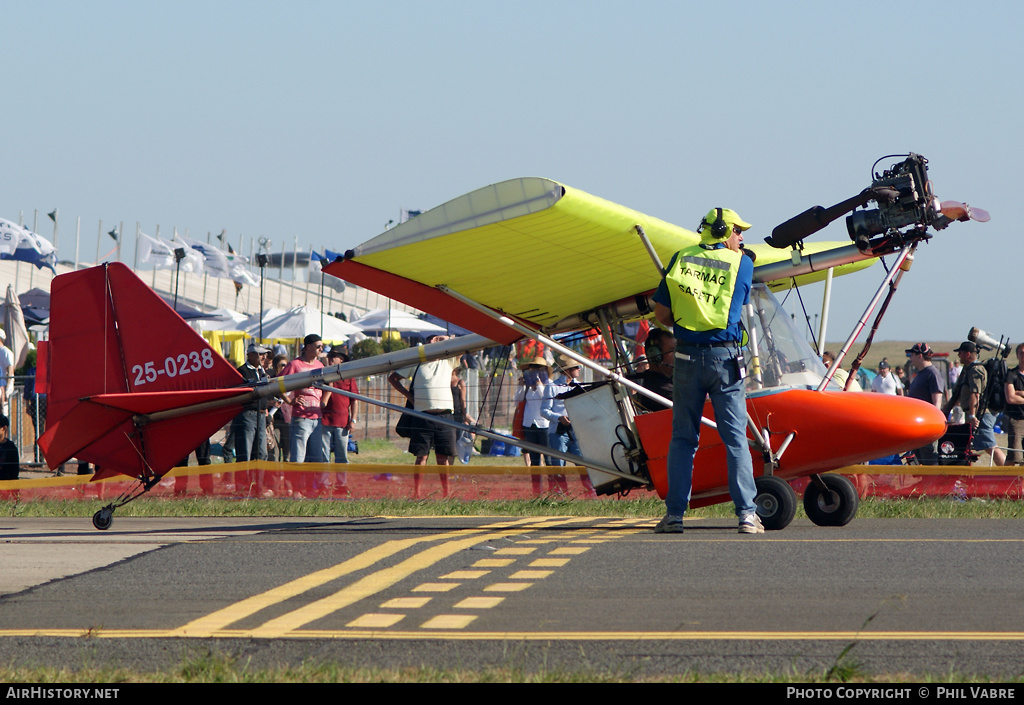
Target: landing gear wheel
(837, 506)
(776, 502)
(103, 518)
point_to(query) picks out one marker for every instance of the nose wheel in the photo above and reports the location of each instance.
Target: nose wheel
(831, 500)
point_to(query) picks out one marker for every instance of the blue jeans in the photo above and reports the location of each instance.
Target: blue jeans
(563, 442)
(336, 439)
(250, 436)
(306, 442)
(709, 372)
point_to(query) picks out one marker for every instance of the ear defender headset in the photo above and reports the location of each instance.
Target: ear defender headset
(719, 229)
(652, 348)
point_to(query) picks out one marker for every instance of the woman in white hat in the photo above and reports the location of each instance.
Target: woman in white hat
(532, 390)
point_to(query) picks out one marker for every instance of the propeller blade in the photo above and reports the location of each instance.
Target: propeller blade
(955, 210)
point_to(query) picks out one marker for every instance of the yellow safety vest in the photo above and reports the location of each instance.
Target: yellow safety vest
(701, 284)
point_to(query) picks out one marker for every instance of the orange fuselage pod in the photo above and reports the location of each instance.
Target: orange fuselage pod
(832, 430)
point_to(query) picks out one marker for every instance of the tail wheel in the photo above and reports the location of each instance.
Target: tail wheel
(776, 502)
(103, 518)
(835, 505)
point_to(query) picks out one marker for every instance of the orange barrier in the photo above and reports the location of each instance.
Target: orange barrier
(261, 479)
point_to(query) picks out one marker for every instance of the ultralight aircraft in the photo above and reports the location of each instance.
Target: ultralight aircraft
(156, 389)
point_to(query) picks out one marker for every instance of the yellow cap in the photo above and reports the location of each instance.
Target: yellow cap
(729, 217)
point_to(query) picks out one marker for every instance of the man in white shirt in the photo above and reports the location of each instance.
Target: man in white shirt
(885, 382)
(6, 374)
(431, 392)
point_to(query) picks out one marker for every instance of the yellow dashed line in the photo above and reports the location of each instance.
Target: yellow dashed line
(517, 551)
(507, 587)
(494, 562)
(549, 562)
(435, 587)
(530, 574)
(481, 603)
(405, 603)
(376, 621)
(449, 621)
(466, 574)
(569, 550)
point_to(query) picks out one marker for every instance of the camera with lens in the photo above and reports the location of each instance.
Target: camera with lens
(904, 197)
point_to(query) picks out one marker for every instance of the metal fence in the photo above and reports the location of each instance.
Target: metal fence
(489, 400)
(25, 417)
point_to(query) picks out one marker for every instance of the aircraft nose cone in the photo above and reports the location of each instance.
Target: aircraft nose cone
(862, 426)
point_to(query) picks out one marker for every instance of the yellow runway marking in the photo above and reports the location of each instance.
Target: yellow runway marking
(435, 587)
(530, 574)
(517, 551)
(405, 603)
(493, 562)
(549, 562)
(466, 574)
(376, 621)
(507, 587)
(479, 603)
(206, 626)
(449, 621)
(369, 585)
(569, 551)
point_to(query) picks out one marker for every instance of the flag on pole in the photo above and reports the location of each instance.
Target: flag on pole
(241, 275)
(215, 260)
(315, 267)
(10, 236)
(156, 251)
(408, 215)
(31, 248)
(332, 282)
(14, 325)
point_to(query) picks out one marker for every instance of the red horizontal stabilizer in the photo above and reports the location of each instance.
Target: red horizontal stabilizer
(83, 424)
(90, 420)
(152, 402)
(110, 334)
(425, 298)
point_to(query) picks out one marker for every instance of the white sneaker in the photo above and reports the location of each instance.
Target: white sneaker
(751, 524)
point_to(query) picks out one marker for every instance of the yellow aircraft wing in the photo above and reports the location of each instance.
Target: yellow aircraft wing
(530, 247)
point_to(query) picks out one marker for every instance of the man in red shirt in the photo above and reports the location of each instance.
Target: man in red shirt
(339, 416)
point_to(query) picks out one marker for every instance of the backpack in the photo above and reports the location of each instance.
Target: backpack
(993, 398)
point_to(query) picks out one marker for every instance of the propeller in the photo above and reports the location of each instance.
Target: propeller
(955, 210)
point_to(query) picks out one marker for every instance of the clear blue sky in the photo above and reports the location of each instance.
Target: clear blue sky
(320, 120)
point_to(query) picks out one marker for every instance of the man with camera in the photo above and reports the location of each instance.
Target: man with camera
(967, 394)
(701, 298)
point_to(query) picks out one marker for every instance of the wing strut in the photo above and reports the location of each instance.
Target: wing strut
(568, 352)
(493, 435)
(903, 256)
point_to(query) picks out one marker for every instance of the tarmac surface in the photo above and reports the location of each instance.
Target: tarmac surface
(884, 596)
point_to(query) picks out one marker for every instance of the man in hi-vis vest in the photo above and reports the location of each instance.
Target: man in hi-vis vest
(701, 298)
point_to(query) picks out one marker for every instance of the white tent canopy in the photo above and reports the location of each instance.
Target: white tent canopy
(392, 319)
(223, 319)
(300, 321)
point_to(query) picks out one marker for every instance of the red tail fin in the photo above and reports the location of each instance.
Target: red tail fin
(110, 334)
